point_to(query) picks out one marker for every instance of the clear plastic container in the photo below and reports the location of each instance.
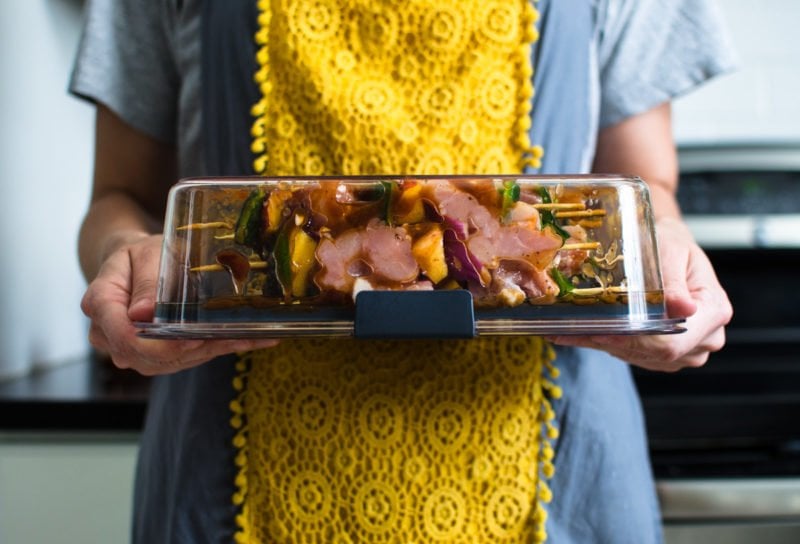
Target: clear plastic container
(421, 256)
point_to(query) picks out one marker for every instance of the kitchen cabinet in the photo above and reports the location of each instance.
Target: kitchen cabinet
(57, 487)
(68, 444)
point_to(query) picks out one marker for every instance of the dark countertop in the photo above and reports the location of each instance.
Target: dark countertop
(86, 394)
(702, 422)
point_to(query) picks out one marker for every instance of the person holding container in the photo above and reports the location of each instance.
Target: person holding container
(556, 446)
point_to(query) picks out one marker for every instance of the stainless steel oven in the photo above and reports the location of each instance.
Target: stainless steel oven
(725, 438)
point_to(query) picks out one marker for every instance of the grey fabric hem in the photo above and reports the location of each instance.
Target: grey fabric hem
(116, 103)
(656, 96)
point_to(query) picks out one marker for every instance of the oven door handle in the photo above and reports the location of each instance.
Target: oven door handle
(745, 231)
(725, 499)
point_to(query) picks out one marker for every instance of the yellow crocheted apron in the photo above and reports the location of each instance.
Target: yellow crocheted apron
(394, 441)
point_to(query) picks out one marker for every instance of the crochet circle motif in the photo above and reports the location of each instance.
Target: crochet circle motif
(442, 31)
(377, 506)
(314, 19)
(498, 21)
(380, 421)
(311, 496)
(445, 513)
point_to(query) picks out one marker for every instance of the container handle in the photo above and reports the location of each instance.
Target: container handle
(414, 314)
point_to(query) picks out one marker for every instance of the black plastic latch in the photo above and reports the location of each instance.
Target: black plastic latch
(414, 314)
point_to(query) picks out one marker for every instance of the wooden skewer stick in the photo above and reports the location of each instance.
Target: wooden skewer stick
(254, 265)
(225, 237)
(587, 291)
(591, 291)
(590, 223)
(584, 213)
(201, 226)
(560, 206)
(581, 245)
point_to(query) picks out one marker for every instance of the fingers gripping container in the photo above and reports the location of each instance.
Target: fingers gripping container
(406, 257)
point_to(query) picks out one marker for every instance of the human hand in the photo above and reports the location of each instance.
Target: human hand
(691, 291)
(124, 292)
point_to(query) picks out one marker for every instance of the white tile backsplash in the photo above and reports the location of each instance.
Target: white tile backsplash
(761, 100)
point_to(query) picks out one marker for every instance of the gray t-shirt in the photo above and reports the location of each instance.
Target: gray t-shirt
(598, 62)
(143, 60)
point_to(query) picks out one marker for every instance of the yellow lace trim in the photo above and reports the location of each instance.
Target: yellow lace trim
(407, 441)
(344, 441)
(418, 87)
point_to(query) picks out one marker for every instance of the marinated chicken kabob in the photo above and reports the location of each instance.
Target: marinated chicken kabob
(505, 242)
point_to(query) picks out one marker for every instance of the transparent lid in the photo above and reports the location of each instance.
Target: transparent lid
(422, 256)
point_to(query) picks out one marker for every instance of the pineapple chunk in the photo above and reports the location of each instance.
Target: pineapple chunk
(409, 206)
(274, 208)
(428, 250)
(303, 248)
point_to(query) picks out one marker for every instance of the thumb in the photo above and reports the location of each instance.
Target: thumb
(144, 275)
(678, 298)
(677, 292)
(142, 305)
(675, 247)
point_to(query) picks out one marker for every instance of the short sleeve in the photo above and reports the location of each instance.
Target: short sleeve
(651, 51)
(125, 61)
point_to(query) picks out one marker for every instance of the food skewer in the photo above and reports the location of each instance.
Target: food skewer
(590, 223)
(591, 291)
(203, 226)
(260, 265)
(584, 291)
(580, 245)
(582, 213)
(254, 265)
(560, 206)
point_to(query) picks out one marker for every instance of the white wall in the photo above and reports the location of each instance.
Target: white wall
(760, 101)
(45, 168)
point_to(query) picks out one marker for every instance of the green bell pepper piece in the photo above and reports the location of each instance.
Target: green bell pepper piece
(564, 285)
(247, 231)
(548, 219)
(509, 195)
